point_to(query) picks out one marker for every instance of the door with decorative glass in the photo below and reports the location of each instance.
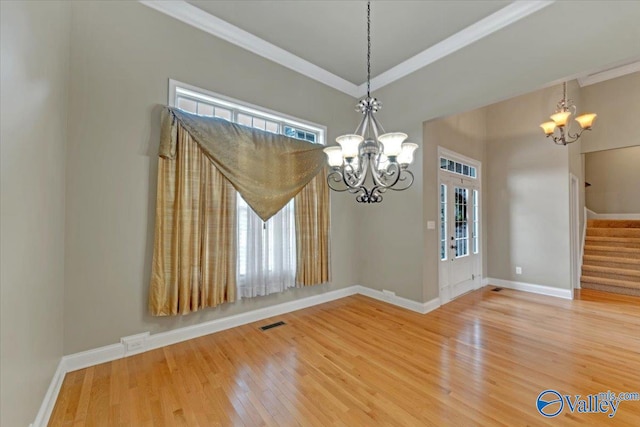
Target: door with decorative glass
(460, 248)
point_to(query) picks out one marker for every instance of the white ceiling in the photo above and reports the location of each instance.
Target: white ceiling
(332, 34)
(326, 40)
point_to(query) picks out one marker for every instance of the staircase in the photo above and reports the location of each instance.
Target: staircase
(611, 259)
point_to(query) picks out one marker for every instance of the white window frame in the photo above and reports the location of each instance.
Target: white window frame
(450, 155)
(176, 87)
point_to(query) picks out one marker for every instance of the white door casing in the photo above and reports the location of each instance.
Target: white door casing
(459, 225)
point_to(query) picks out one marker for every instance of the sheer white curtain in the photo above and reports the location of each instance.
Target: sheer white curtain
(266, 251)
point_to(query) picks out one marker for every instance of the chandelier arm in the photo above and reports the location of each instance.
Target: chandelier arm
(356, 178)
(334, 177)
(406, 173)
(349, 178)
(380, 177)
(370, 196)
(576, 136)
(377, 128)
(362, 127)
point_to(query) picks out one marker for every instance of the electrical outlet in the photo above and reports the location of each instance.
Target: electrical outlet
(134, 343)
(518, 270)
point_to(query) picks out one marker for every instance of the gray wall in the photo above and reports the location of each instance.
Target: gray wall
(122, 56)
(390, 233)
(527, 203)
(34, 69)
(500, 66)
(464, 134)
(617, 102)
(614, 176)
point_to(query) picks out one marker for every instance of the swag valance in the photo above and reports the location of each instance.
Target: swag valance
(267, 169)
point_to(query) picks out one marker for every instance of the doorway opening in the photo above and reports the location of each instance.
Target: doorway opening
(459, 224)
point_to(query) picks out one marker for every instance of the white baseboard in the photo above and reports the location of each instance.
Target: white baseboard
(182, 334)
(146, 342)
(49, 401)
(111, 352)
(419, 307)
(533, 288)
(593, 215)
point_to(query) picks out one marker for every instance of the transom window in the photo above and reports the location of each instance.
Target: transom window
(459, 168)
(203, 104)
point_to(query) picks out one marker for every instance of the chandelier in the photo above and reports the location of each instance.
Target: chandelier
(370, 161)
(564, 109)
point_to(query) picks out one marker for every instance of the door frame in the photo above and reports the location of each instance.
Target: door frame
(574, 231)
(450, 176)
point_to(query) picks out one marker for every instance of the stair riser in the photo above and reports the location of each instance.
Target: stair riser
(612, 252)
(614, 223)
(614, 232)
(614, 289)
(585, 284)
(608, 281)
(626, 277)
(629, 244)
(614, 264)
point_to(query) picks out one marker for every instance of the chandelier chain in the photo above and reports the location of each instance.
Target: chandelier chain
(368, 49)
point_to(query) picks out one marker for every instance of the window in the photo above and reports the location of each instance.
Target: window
(266, 258)
(458, 167)
(461, 221)
(476, 228)
(443, 222)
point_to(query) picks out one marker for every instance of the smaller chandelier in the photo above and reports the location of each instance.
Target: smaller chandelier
(369, 152)
(560, 118)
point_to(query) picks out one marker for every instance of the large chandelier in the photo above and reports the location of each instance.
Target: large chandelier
(564, 109)
(369, 152)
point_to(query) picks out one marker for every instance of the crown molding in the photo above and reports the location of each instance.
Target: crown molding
(609, 74)
(189, 14)
(198, 18)
(474, 32)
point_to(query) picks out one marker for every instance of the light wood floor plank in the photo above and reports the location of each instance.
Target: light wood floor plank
(480, 360)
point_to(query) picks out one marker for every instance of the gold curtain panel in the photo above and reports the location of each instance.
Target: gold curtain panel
(312, 211)
(267, 169)
(194, 254)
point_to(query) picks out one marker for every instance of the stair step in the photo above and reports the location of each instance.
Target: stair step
(613, 232)
(623, 242)
(614, 289)
(614, 223)
(609, 282)
(612, 262)
(611, 273)
(612, 251)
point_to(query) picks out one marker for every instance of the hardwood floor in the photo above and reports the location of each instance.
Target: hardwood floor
(481, 360)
